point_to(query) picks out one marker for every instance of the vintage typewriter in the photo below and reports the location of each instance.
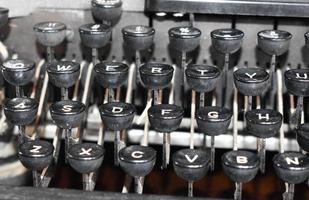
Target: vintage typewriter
(154, 99)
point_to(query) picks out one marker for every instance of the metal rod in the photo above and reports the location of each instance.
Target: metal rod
(235, 119)
(35, 178)
(155, 97)
(249, 107)
(138, 63)
(192, 119)
(202, 99)
(165, 151)
(95, 57)
(280, 108)
(191, 19)
(224, 98)
(64, 93)
(262, 153)
(139, 182)
(183, 67)
(190, 188)
(111, 95)
(299, 109)
(212, 153)
(144, 141)
(50, 54)
(116, 147)
(272, 76)
(19, 91)
(238, 191)
(88, 181)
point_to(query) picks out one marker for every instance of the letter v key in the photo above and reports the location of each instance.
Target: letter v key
(191, 160)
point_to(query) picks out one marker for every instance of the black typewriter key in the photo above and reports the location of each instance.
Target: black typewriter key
(138, 37)
(117, 116)
(184, 38)
(63, 74)
(111, 74)
(95, 36)
(21, 112)
(36, 155)
(303, 137)
(165, 118)
(4, 16)
(50, 34)
(292, 168)
(202, 78)
(107, 11)
(297, 84)
(251, 82)
(263, 123)
(18, 73)
(226, 41)
(191, 165)
(241, 167)
(67, 114)
(213, 121)
(86, 158)
(156, 76)
(137, 161)
(274, 42)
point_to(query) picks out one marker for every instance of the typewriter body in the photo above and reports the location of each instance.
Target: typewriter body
(168, 99)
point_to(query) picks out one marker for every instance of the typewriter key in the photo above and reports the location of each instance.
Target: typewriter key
(213, 121)
(241, 167)
(156, 76)
(86, 158)
(226, 41)
(191, 165)
(4, 16)
(111, 74)
(138, 37)
(165, 118)
(63, 74)
(251, 82)
(292, 168)
(95, 35)
(184, 38)
(18, 73)
(117, 116)
(137, 161)
(297, 84)
(106, 10)
(50, 34)
(263, 123)
(67, 114)
(303, 136)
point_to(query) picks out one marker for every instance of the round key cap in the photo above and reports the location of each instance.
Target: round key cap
(4, 16)
(184, 38)
(165, 118)
(227, 40)
(297, 81)
(117, 116)
(156, 76)
(274, 42)
(202, 78)
(106, 10)
(291, 167)
(63, 74)
(251, 81)
(303, 136)
(191, 164)
(85, 157)
(138, 37)
(240, 166)
(137, 161)
(111, 74)
(36, 154)
(263, 123)
(95, 35)
(18, 72)
(67, 114)
(50, 33)
(20, 111)
(213, 120)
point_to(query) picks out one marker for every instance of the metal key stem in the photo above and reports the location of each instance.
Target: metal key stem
(88, 181)
(50, 54)
(190, 188)
(166, 150)
(139, 182)
(262, 153)
(238, 191)
(224, 78)
(212, 153)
